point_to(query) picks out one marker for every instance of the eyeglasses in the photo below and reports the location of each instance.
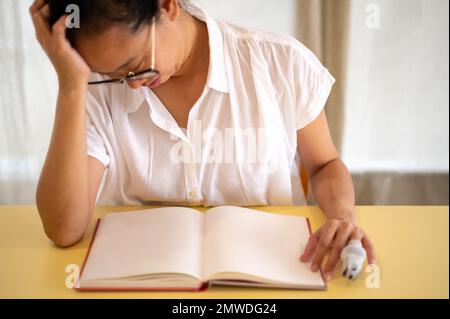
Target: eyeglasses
(145, 74)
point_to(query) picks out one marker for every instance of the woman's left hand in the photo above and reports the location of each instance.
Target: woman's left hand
(330, 239)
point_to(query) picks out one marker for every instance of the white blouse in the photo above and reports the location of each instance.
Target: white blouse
(240, 145)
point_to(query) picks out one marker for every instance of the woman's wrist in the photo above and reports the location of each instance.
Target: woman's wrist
(340, 208)
(343, 215)
(72, 86)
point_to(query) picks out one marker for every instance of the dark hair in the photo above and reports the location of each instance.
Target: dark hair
(98, 15)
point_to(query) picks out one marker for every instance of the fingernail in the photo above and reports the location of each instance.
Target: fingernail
(328, 276)
(314, 267)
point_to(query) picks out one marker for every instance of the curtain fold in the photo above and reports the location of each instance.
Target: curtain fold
(323, 26)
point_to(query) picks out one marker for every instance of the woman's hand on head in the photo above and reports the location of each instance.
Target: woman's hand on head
(329, 240)
(69, 65)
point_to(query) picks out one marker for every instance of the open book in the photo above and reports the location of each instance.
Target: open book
(178, 248)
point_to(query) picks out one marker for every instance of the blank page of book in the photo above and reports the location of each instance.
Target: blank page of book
(160, 240)
(260, 244)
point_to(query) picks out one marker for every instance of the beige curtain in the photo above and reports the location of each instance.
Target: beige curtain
(323, 26)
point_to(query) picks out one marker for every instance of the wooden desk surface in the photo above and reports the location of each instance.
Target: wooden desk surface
(412, 244)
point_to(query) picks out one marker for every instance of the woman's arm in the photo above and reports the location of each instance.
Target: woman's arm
(69, 180)
(68, 183)
(333, 189)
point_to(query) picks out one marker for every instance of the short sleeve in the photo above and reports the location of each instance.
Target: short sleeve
(95, 144)
(312, 83)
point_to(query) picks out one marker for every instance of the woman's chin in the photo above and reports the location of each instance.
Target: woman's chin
(155, 83)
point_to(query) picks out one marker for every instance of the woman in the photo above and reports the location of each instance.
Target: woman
(211, 114)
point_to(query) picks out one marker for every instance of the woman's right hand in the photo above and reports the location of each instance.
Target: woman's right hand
(70, 67)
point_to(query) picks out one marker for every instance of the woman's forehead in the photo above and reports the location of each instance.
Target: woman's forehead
(106, 51)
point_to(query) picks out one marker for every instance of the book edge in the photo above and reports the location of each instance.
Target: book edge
(94, 234)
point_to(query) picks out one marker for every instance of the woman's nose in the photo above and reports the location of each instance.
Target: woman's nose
(136, 84)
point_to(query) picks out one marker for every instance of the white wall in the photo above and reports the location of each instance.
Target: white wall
(397, 89)
(277, 16)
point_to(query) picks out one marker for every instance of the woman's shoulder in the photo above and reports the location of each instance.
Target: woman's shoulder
(247, 33)
(281, 46)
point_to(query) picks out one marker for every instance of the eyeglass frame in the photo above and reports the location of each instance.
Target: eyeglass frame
(132, 75)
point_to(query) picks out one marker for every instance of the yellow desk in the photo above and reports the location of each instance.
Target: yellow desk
(412, 244)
